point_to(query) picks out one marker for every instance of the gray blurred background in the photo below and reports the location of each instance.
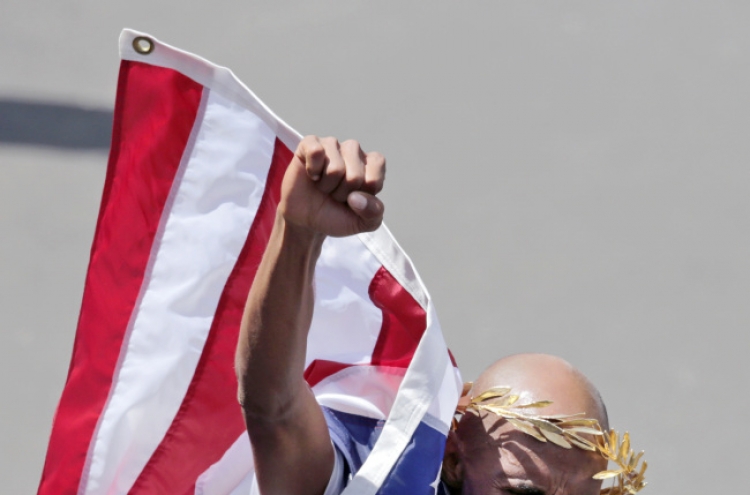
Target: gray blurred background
(569, 177)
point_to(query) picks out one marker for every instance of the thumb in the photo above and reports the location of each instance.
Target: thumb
(368, 208)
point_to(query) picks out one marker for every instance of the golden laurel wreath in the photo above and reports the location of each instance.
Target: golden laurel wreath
(566, 431)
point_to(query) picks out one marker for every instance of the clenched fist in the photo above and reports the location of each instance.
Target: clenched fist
(330, 187)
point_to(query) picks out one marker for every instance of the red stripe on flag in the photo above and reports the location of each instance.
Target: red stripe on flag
(404, 323)
(320, 369)
(209, 419)
(151, 129)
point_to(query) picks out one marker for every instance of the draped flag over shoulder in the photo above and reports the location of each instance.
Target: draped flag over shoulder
(149, 406)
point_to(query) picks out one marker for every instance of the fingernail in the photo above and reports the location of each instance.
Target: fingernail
(315, 178)
(357, 201)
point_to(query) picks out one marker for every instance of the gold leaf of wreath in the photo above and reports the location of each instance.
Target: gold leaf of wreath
(565, 431)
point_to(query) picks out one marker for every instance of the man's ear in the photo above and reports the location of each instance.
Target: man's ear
(453, 470)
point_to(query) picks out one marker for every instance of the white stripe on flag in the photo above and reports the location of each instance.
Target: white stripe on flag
(213, 203)
(233, 474)
(367, 391)
(345, 324)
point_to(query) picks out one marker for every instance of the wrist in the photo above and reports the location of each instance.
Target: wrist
(296, 237)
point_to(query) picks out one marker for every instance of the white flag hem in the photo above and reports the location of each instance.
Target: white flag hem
(208, 74)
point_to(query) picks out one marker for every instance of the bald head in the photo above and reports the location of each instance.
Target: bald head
(486, 453)
(544, 377)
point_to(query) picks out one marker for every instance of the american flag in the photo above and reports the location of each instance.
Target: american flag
(149, 406)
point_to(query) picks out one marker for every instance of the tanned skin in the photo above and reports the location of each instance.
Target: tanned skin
(329, 189)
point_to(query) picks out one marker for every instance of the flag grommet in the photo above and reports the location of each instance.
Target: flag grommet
(143, 45)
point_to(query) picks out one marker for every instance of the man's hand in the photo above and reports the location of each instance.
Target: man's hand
(329, 188)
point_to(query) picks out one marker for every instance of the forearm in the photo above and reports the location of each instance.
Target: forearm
(288, 433)
(273, 336)
(328, 189)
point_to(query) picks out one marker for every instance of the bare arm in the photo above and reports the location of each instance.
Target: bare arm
(328, 190)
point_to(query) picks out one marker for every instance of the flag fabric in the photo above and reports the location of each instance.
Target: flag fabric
(149, 405)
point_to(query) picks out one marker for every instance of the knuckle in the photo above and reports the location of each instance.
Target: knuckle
(316, 150)
(376, 158)
(351, 144)
(336, 169)
(312, 149)
(330, 140)
(309, 142)
(355, 180)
